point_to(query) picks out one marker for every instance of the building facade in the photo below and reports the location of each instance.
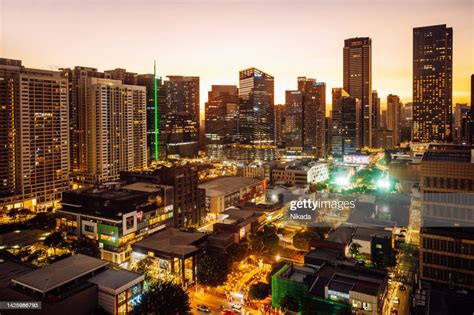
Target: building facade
(358, 81)
(256, 114)
(432, 83)
(34, 137)
(393, 117)
(446, 236)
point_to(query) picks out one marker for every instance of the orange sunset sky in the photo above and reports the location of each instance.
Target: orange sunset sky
(214, 39)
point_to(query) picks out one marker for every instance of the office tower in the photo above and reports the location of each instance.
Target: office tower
(279, 124)
(471, 124)
(109, 122)
(34, 152)
(461, 119)
(122, 75)
(375, 110)
(256, 115)
(446, 236)
(383, 119)
(314, 113)
(156, 148)
(345, 123)
(432, 83)
(406, 122)
(180, 123)
(393, 117)
(221, 115)
(293, 129)
(358, 81)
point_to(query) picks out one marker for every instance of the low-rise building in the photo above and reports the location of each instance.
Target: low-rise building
(78, 284)
(174, 252)
(331, 289)
(117, 215)
(239, 223)
(375, 243)
(225, 192)
(300, 174)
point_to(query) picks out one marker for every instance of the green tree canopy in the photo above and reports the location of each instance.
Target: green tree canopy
(259, 291)
(237, 252)
(213, 268)
(163, 298)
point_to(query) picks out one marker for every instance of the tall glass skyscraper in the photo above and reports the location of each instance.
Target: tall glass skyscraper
(256, 116)
(432, 83)
(358, 81)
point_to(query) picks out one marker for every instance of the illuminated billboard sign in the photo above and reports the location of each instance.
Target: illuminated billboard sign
(357, 159)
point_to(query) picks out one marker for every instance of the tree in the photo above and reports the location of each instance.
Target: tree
(237, 252)
(23, 212)
(14, 213)
(43, 220)
(259, 291)
(213, 268)
(86, 246)
(269, 238)
(290, 303)
(255, 243)
(389, 260)
(275, 268)
(301, 239)
(144, 267)
(54, 240)
(163, 298)
(354, 249)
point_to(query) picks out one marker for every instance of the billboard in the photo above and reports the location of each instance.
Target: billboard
(356, 159)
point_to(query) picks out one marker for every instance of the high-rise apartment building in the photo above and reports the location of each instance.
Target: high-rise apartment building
(314, 114)
(345, 123)
(406, 122)
(109, 124)
(256, 115)
(279, 124)
(375, 110)
(34, 144)
(293, 128)
(461, 123)
(358, 81)
(180, 123)
(393, 117)
(221, 115)
(432, 83)
(446, 236)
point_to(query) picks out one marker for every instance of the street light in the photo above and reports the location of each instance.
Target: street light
(277, 257)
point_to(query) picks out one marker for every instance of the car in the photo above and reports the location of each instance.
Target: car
(396, 300)
(237, 308)
(402, 287)
(203, 308)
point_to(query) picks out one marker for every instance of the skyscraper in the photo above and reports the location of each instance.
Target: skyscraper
(293, 128)
(109, 124)
(156, 148)
(375, 111)
(314, 113)
(221, 115)
(358, 81)
(345, 123)
(180, 122)
(432, 83)
(34, 135)
(406, 122)
(280, 113)
(256, 116)
(393, 117)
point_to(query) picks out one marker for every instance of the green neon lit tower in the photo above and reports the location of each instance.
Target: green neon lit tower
(155, 100)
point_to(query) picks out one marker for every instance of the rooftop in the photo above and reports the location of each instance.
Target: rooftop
(59, 273)
(366, 233)
(225, 185)
(171, 243)
(116, 281)
(342, 235)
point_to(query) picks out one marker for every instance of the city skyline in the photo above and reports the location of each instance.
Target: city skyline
(280, 47)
